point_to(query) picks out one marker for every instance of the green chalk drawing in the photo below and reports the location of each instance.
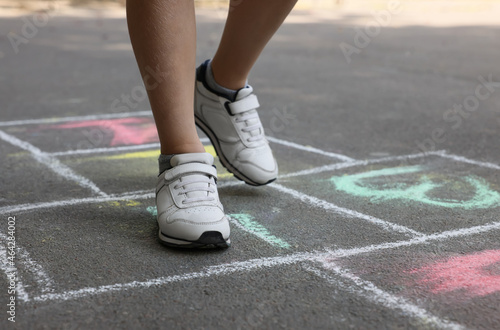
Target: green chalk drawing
(152, 210)
(247, 223)
(252, 226)
(357, 185)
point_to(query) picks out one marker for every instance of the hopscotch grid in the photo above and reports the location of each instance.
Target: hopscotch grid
(316, 202)
(266, 262)
(145, 113)
(371, 292)
(52, 163)
(344, 165)
(347, 162)
(221, 185)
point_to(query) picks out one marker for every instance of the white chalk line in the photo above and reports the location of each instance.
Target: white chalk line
(23, 259)
(371, 292)
(310, 149)
(146, 113)
(316, 202)
(305, 198)
(105, 150)
(220, 185)
(224, 269)
(148, 146)
(339, 166)
(471, 161)
(16, 209)
(52, 163)
(446, 235)
(21, 293)
(256, 233)
(203, 140)
(458, 158)
(132, 195)
(260, 263)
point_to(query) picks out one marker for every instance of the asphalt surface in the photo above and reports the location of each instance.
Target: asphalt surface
(353, 234)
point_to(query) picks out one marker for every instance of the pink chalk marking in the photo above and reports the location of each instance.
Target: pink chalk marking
(474, 273)
(126, 131)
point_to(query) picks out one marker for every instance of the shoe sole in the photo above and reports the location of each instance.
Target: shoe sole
(208, 240)
(215, 142)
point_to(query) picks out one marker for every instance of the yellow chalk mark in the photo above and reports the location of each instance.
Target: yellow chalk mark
(211, 150)
(127, 202)
(226, 174)
(19, 154)
(138, 154)
(152, 153)
(132, 203)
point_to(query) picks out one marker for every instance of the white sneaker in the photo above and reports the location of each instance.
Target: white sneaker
(189, 211)
(235, 130)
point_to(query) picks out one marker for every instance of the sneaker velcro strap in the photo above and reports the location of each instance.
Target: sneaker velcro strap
(248, 103)
(189, 168)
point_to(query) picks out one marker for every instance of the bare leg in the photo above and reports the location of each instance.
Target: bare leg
(249, 27)
(163, 35)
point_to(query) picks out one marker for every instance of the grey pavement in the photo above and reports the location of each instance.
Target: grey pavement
(385, 215)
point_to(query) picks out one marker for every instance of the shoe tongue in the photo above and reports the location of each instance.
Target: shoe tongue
(199, 157)
(243, 92)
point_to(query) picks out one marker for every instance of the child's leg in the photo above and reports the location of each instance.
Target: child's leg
(249, 27)
(163, 35)
(226, 109)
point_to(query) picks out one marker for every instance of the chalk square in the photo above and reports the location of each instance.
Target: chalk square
(278, 220)
(87, 134)
(114, 242)
(125, 171)
(455, 277)
(23, 180)
(427, 194)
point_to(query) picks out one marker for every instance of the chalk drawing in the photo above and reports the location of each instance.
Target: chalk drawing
(248, 223)
(126, 131)
(155, 153)
(361, 287)
(471, 161)
(151, 154)
(316, 202)
(309, 149)
(11, 271)
(152, 210)
(359, 185)
(21, 208)
(133, 155)
(210, 271)
(265, 262)
(339, 166)
(127, 202)
(473, 274)
(146, 113)
(52, 163)
(371, 292)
